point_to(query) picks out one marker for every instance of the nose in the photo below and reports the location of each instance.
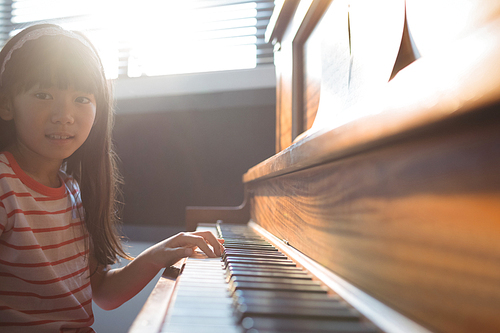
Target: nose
(62, 112)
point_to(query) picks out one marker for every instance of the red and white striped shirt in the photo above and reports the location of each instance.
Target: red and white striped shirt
(44, 273)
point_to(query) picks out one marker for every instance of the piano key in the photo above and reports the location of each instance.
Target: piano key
(255, 266)
(254, 281)
(251, 247)
(298, 296)
(295, 311)
(269, 271)
(269, 301)
(268, 262)
(201, 291)
(277, 286)
(260, 279)
(265, 325)
(253, 254)
(249, 267)
(280, 261)
(194, 320)
(190, 300)
(248, 243)
(235, 252)
(251, 240)
(270, 274)
(201, 328)
(202, 311)
(245, 239)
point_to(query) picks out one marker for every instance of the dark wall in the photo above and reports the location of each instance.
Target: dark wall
(174, 159)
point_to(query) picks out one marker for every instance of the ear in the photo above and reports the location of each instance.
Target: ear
(6, 113)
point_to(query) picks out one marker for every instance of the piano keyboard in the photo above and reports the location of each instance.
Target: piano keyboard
(255, 289)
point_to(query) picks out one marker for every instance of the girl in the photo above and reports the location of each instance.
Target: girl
(57, 190)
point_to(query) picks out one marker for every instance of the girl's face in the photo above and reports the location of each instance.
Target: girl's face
(51, 124)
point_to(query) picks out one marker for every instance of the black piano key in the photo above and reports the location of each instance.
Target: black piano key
(230, 251)
(245, 238)
(283, 294)
(262, 279)
(252, 240)
(251, 247)
(313, 288)
(295, 311)
(262, 261)
(269, 290)
(274, 301)
(270, 274)
(256, 242)
(258, 267)
(285, 284)
(294, 325)
(283, 271)
(260, 264)
(254, 255)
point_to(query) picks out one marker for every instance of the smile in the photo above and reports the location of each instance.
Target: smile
(58, 137)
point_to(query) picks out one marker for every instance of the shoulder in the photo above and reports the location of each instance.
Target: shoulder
(5, 166)
(7, 174)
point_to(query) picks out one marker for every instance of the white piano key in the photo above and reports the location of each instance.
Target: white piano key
(201, 302)
(212, 312)
(203, 293)
(179, 304)
(193, 300)
(186, 328)
(201, 321)
(197, 299)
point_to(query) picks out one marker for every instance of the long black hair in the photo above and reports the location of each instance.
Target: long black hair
(63, 60)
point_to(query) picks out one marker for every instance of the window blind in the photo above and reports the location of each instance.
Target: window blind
(5, 20)
(157, 37)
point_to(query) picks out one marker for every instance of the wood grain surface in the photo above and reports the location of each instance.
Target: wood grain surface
(463, 79)
(415, 223)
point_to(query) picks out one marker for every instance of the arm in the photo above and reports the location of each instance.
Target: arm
(113, 287)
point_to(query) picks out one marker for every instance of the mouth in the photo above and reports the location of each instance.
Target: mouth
(59, 137)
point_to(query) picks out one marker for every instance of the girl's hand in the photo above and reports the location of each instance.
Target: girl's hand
(111, 288)
(169, 251)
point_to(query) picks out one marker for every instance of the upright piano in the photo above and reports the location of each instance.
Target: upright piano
(384, 193)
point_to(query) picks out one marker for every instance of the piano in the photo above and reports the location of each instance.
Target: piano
(380, 211)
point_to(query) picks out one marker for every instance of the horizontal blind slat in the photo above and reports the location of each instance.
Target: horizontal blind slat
(238, 25)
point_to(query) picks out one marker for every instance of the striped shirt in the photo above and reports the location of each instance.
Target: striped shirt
(44, 273)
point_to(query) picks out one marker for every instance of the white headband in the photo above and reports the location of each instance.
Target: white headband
(37, 33)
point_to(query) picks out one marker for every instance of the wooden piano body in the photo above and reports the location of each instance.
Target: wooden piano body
(387, 170)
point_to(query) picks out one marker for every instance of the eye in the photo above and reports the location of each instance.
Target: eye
(44, 96)
(82, 100)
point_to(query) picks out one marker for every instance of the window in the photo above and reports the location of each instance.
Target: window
(158, 37)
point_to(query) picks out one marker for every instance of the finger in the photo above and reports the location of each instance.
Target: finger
(221, 246)
(201, 243)
(212, 240)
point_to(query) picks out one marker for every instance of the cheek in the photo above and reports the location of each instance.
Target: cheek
(87, 121)
(28, 125)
